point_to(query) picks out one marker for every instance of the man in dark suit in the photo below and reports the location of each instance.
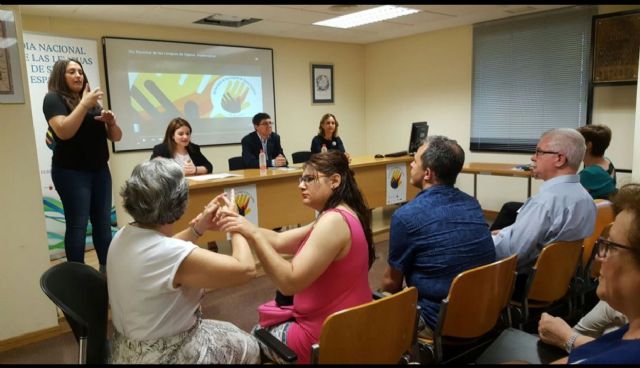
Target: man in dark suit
(262, 138)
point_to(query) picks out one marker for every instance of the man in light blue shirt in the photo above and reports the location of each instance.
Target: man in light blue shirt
(562, 211)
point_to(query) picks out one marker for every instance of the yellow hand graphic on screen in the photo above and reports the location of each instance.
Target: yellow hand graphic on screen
(234, 96)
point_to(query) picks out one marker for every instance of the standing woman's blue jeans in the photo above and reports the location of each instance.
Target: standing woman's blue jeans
(85, 194)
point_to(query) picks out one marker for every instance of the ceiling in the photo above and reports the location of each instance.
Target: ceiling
(293, 21)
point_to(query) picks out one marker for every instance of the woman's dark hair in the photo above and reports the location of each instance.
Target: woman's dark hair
(335, 162)
(174, 125)
(628, 198)
(598, 135)
(324, 118)
(58, 83)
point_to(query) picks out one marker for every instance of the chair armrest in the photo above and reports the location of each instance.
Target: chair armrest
(276, 345)
(377, 295)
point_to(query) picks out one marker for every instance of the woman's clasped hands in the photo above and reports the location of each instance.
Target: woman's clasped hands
(221, 214)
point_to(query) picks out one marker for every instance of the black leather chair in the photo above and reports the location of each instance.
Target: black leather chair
(81, 293)
(236, 163)
(300, 156)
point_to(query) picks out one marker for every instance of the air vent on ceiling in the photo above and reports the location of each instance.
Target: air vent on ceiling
(226, 20)
(519, 10)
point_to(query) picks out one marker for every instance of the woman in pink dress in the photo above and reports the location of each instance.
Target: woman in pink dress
(332, 255)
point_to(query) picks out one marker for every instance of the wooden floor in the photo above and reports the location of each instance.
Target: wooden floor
(237, 305)
(380, 226)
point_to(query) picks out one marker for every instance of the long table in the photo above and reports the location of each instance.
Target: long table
(488, 168)
(279, 200)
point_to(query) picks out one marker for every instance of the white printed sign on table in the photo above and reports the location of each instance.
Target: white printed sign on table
(246, 199)
(396, 186)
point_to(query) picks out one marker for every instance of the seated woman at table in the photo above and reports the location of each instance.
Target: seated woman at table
(328, 136)
(598, 176)
(177, 145)
(156, 281)
(618, 285)
(332, 255)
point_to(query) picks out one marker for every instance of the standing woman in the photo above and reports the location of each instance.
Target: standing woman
(79, 166)
(328, 136)
(177, 145)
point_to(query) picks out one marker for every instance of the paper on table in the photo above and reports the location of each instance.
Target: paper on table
(211, 176)
(284, 168)
(521, 167)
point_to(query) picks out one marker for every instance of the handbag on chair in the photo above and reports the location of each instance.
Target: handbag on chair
(270, 314)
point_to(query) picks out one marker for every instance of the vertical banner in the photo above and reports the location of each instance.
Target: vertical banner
(41, 52)
(396, 183)
(246, 200)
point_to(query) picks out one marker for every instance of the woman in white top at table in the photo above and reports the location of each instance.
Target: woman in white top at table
(177, 145)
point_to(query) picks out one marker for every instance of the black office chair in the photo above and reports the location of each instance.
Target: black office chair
(300, 156)
(236, 163)
(81, 293)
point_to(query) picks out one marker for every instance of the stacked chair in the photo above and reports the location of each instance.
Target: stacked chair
(379, 332)
(586, 280)
(477, 300)
(548, 285)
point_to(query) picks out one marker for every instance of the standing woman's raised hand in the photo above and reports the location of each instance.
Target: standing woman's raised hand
(90, 98)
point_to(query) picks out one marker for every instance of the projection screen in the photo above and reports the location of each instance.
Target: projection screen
(216, 88)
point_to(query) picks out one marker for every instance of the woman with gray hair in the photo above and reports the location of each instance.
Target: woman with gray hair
(156, 280)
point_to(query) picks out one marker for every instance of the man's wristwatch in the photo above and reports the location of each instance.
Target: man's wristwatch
(568, 346)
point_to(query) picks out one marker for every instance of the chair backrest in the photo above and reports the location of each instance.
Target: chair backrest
(379, 332)
(604, 216)
(476, 299)
(300, 156)
(554, 269)
(593, 267)
(236, 163)
(81, 293)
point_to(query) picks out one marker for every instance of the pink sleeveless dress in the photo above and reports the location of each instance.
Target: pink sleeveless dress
(344, 284)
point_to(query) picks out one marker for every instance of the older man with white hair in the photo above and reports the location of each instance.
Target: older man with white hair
(562, 211)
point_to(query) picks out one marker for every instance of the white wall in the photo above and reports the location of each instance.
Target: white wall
(380, 89)
(23, 241)
(296, 117)
(428, 77)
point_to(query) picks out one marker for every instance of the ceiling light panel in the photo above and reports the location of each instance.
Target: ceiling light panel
(366, 16)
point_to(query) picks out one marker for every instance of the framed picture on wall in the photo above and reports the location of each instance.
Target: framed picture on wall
(322, 83)
(616, 43)
(10, 69)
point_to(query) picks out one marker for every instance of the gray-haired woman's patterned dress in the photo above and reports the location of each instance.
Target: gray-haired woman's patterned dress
(208, 341)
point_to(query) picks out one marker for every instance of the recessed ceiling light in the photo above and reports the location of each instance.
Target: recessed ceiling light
(366, 16)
